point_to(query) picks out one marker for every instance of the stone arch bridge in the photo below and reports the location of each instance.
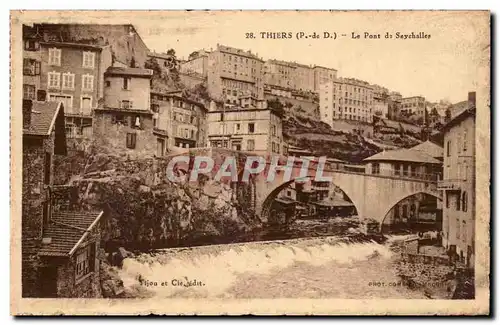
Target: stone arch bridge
(373, 195)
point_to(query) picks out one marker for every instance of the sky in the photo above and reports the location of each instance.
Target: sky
(447, 66)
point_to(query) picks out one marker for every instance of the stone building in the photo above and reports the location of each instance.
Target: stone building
(458, 184)
(197, 64)
(323, 75)
(73, 73)
(124, 123)
(414, 108)
(178, 121)
(126, 45)
(255, 130)
(232, 71)
(346, 98)
(59, 244)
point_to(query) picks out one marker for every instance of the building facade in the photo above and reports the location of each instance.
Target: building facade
(197, 64)
(380, 101)
(255, 130)
(458, 184)
(180, 120)
(346, 98)
(59, 244)
(415, 108)
(73, 74)
(233, 72)
(124, 123)
(323, 75)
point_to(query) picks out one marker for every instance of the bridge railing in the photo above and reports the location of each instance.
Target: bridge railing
(389, 172)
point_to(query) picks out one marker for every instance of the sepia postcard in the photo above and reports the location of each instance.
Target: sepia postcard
(250, 162)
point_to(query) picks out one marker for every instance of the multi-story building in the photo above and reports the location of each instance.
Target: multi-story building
(197, 64)
(256, 130)
(280, 74)
(414, 107)
(59, 243)
(380, 101)
(232, 72)
(72, 73)
(394, 105)
(125, 121)
(304, 78)
(323, 75)
(346, 98)
(458, 184)
(127, 46)
(178, 122)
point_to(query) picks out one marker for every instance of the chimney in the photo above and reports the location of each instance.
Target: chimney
(472, 100)
(27, 106)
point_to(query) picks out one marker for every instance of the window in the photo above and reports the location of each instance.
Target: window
(137, 122)
(85, 262)
(86, 104)
(251, 127)
(126, 83)
(88, 60)
(31, 67)
(119, 119)
(457, 201)
(31, 45)
(250, 145)
(108, 83)
(67, 100)
(41, 95)
(68, 80)
(87, 82)
(131, 140)
(126, 104)
(458, 229)
(160, 148)
(55, 56)
(465, 140)
(375, 168)
(464, 201)
(54, 79)
(448, 148)
(28, 92)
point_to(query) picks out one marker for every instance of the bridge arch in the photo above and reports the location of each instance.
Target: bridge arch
(402, 198)
(271, 196)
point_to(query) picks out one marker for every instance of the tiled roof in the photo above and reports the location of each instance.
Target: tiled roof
(429, 148)
(403, 155)
(136, 72)
(66, 230)
(43, 115)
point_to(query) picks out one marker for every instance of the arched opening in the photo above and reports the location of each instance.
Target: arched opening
(416, 213)
(306, 199)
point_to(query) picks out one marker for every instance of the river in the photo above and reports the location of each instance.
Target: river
(322, 267)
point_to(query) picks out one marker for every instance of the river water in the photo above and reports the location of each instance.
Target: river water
(324, 267)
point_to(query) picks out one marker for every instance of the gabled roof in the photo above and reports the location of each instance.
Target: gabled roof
(43, 118)
(429, 148)
(403, 155)
(67, 231)
(135, 72)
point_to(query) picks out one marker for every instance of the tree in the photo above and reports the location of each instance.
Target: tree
(276, 106)
(171, 52)
(152, 64)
